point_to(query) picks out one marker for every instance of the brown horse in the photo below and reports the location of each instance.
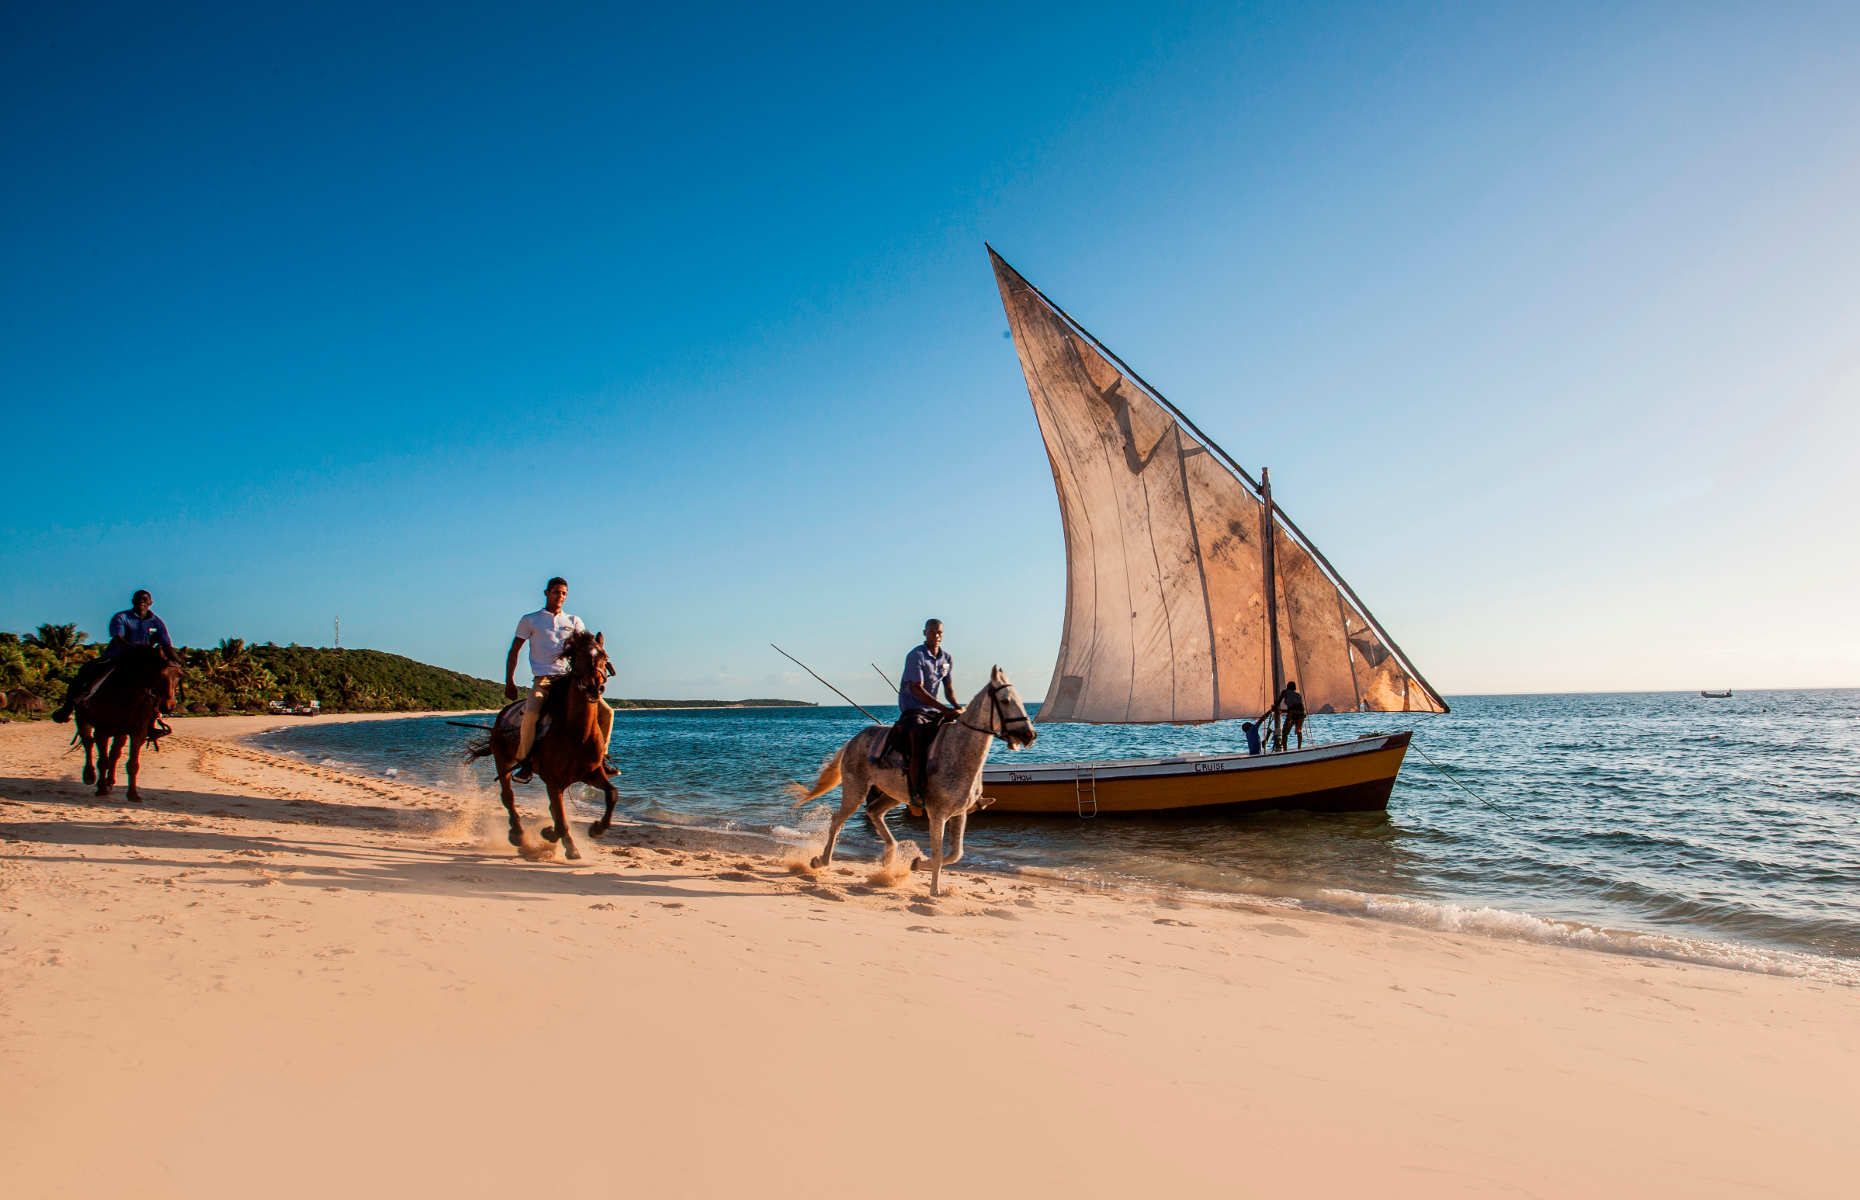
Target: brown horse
(144, 683)
(568, 751)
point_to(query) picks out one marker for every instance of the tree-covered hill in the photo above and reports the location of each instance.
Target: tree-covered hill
(236, 677)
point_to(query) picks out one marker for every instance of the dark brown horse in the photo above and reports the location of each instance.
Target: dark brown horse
(144, 683)
(568, 751)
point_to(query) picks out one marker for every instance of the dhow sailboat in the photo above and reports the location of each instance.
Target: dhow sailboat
(1190, 597)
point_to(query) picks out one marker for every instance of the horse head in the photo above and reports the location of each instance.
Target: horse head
(588, 664)
(1007, 716)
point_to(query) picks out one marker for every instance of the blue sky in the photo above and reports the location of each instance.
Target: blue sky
(1543, 317)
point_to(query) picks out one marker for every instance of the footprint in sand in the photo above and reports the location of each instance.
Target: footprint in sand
(924, 929)
(1173, 921)
(923, 910)
(604, 907)
(824, 893)
(739, 877)
(1279, 930)
(1001, 913)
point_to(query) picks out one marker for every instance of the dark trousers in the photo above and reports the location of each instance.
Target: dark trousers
(911, 736)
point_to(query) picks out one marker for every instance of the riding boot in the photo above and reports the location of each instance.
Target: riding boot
(522, 771)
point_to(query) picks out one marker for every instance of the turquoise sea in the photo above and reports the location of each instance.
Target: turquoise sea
(1717, 831)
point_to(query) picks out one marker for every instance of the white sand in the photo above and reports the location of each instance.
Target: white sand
(276, 979)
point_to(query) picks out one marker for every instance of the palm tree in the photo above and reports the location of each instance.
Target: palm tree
(63, 642)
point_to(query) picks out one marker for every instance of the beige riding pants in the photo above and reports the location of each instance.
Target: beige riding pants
(532, 710)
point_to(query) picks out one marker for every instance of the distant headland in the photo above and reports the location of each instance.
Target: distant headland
(235, 677)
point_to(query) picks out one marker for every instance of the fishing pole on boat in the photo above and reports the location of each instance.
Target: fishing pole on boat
(842, 695)
(1456, 783)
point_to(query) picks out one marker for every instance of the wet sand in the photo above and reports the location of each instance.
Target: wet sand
(279, 978)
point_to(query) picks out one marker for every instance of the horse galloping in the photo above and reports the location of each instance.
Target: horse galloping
(952, 786)
(568, 751)
(144, 683)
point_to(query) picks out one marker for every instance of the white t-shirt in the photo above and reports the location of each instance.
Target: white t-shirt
(545, 632)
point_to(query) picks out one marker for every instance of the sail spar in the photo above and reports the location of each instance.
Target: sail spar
(1166, 595)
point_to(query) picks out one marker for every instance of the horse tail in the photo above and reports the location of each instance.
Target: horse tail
(829, 779)
(478, 750)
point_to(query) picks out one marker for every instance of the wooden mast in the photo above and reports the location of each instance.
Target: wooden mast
(1272, 591)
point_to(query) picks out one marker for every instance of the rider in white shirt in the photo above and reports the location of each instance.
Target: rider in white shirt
(546, 630)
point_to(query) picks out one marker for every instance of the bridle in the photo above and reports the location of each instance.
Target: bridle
(1008, 721)
(599, 672)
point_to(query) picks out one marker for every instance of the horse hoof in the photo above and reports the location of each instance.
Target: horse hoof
(549, 833)
(815, 863)
(917, 864)
(133, 798)
(598, 828)
(516, 837)
(569, 850)
(90, 776)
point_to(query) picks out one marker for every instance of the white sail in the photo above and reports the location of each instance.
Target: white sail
(1166, 603)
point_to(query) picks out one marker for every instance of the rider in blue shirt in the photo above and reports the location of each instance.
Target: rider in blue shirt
(921, 713)
(136, 625)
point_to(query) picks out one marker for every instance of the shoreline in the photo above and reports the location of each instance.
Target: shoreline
(266, 935)
(1515, 924)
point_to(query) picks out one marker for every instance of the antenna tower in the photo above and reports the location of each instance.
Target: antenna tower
(338, 633)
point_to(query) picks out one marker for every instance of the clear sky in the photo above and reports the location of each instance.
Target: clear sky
(1546, 319)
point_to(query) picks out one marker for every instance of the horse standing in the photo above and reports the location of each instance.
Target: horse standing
(123, 707)
(568, 751)
(952, 786)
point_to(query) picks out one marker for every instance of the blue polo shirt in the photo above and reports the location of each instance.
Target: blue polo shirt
(132, 630)
(921, 667)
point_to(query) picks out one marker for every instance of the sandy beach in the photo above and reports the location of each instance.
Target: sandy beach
(277, 978)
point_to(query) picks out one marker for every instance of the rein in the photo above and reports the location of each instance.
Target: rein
(994, 707)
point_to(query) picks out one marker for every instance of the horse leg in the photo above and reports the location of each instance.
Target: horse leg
(598, 778)
(962, 826)
(875, 810)
(937, 821)
(509, 798)
(89, 739)
(559, 831)
(106, 766)
(135, 762)
(853, 787)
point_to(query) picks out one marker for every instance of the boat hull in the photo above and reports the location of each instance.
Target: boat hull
(1354, 776)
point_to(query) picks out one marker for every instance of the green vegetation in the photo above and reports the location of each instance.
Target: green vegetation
(711, 703)
(235, 677)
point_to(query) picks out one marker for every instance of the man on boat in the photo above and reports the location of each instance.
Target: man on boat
(136, 625)
(1251, 729)
(1289, 706)
(921, 714)
(546, 630)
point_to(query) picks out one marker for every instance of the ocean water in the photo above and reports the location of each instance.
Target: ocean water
(1715, 831)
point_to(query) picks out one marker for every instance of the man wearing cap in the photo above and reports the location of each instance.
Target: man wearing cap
(546, 630)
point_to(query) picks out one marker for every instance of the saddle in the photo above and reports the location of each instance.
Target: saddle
(510, 721)
(908, 745)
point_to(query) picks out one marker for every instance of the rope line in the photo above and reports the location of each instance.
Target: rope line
(1456, 783)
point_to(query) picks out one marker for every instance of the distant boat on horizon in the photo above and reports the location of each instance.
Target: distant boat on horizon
(1724, 695)
(1190, 597)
